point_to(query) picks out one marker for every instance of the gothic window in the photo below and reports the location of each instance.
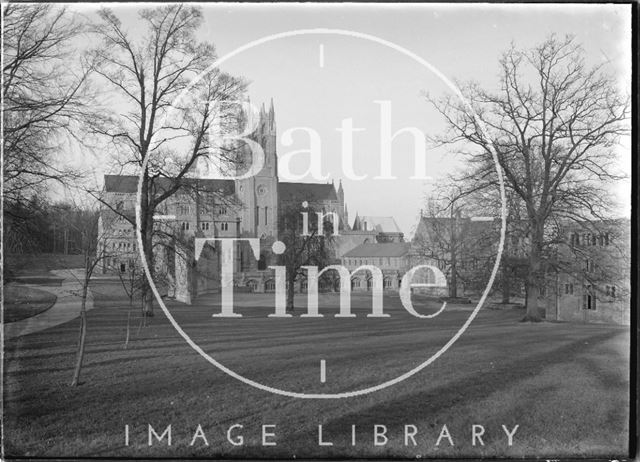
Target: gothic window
(265, 216)
(257, 216)
(223, 210)
(588, 299)
(355, 283)
(575, 239)
(252, 285)
(387, 283)
(606, 238)
(568, 289)
(224, 226)
(304, 285)
(185, 226)
(270, 286)
(369, 283)
(588, 265)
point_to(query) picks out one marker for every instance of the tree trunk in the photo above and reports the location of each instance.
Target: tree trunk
(126, 340)
(533, 277)
(147, 293)
(453, 287)
(291, 281)
(83, 335)
(506, 282)
(146, 231)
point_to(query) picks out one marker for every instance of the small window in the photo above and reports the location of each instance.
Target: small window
(588, 265)
(185, 226)
(123, 267)
(224, 226)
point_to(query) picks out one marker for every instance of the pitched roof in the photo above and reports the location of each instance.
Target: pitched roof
(391, 249)
(379, 224)
(306, 192)
(129, 184)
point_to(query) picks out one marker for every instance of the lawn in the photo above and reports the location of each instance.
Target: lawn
(565, 385)
(21, 302)
(40, 264)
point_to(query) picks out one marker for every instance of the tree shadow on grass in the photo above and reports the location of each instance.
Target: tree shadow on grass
(436, 401)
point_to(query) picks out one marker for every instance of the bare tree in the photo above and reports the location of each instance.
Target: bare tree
(147, 75)
(310, 248)
(92, 256)
(45, 95)
(554, 123)
(446, 234)
(132, 281)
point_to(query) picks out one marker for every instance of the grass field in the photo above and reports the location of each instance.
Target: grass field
(21, 302)
(565, 385)
(40, 264)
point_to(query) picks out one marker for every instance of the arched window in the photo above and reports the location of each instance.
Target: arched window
(270, 285)
(369, 283)
(355, 283)
(304, 285)
(252, 285)
(387, 283)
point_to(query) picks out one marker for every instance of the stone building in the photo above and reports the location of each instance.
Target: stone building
(592, 283)
(392, 258)
(242, 208)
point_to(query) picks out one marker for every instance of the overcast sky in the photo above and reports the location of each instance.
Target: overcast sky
(463, 42)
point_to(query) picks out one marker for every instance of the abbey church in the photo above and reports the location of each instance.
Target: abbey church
(243, 208)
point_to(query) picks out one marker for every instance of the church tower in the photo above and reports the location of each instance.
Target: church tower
(259, 193)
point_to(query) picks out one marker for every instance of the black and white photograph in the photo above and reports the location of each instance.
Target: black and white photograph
(318, 231)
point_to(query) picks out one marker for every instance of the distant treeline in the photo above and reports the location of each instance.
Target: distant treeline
(38, 226)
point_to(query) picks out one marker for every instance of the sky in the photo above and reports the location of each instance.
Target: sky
(318, 80)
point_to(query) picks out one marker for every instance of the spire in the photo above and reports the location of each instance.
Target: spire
(346, 216)
(272, 116)
(340, 193)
